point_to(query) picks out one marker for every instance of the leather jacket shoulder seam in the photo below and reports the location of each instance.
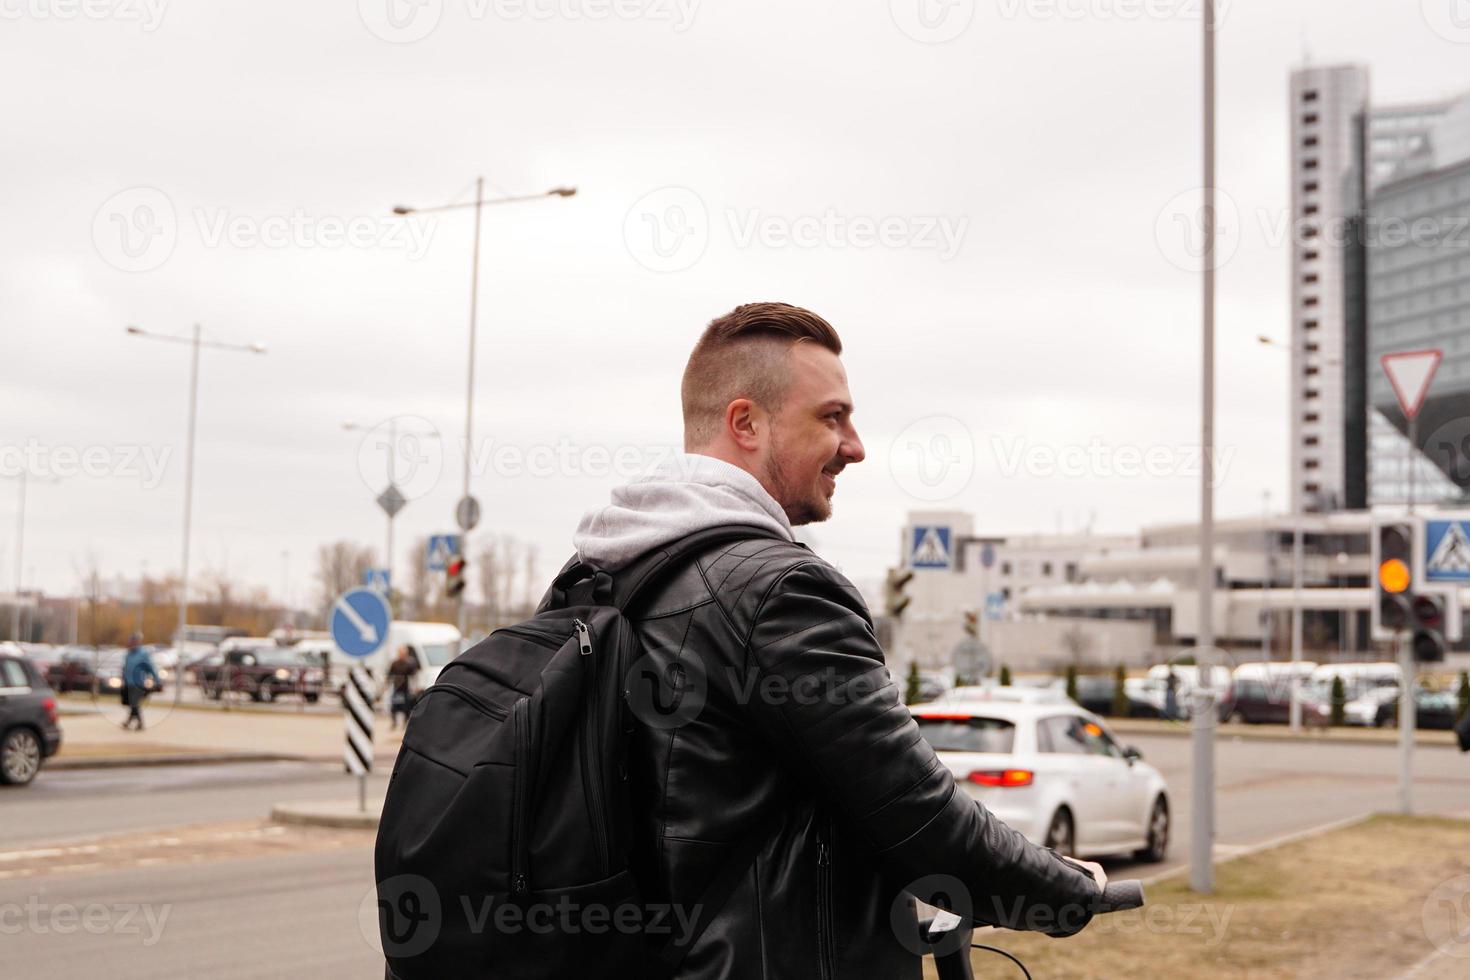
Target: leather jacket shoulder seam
(932, 817)
(666, 613)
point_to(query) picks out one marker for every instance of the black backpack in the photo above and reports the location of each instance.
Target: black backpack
(503, 849)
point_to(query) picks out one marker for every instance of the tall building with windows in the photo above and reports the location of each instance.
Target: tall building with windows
(1345, 452)
(1328, 108)
(1417, 277)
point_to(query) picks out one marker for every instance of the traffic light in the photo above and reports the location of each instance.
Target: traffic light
(972, 624)
(1393, 579)
(454, 575)
(894, 601)
(1428, 642)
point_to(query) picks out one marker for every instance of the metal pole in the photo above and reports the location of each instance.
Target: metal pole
(20, 537)
(188, 488)
(1413, 451)
(1406, 724)
(1297, 557)
(469, 417)
(1266, 620)
(1201, 868)
(392, 458)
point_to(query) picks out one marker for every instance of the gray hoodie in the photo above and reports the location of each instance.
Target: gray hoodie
(681, 495)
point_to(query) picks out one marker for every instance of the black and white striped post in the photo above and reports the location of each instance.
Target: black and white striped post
(357, 753)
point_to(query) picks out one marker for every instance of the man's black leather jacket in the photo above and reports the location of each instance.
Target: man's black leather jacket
(791, 729)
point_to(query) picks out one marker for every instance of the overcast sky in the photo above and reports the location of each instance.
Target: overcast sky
(984, 199)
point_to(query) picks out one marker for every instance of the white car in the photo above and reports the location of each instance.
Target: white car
(1010, 694)
(1054, 773)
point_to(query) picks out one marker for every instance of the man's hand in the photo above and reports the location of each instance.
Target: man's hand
(1098, 874)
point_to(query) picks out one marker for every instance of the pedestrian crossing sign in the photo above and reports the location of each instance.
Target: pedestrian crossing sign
(1446, 550)
(929, 547)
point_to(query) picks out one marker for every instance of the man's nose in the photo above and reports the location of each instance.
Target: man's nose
(852, 448)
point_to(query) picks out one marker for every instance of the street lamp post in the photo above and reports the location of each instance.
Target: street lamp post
(195, 341)
(392, 464)
(478, 204)
(21, 478)
(1298, 549)
(1202, 838)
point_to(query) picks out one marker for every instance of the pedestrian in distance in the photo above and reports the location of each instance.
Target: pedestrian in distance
(401, 674)
(137, 672)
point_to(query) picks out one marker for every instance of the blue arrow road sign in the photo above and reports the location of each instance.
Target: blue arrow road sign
(360, 619)
(442, 547)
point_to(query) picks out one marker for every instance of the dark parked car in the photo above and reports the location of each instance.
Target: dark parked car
(264, 673)
(1095, 693)
(1432, 709)
(1258, 703)
(74, 670)
(29, 733)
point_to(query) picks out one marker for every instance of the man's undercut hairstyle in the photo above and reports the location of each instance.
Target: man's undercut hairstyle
(744, 354)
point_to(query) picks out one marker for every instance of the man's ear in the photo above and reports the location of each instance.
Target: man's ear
(745, 422)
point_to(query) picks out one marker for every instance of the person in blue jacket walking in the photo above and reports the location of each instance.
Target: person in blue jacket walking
(137, 670)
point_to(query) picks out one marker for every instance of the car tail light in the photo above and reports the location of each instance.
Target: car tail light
(1002, 777)
(49, 706)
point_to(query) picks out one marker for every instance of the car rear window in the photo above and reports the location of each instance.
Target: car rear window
(965, 733)
(13, 674)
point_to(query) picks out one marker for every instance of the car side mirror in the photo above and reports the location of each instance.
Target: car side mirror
(1132, 754)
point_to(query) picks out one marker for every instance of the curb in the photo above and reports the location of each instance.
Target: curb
(1247, 734)
(337, 815)
(191, 759)
(1247, 850)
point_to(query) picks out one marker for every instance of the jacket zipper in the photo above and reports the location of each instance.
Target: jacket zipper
(465, 694)
(825, 937)
(591, 768)
(520, 797)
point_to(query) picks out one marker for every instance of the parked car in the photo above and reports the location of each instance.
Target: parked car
(29, 731)
(74, 670)
(1363, 710)
(1011, 694)
(1432, 709)
(1054, 773)
(1257, 702)
(264, 674)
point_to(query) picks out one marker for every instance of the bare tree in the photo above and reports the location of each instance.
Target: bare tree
(533, 586)
(1078, 643)
(339, 567)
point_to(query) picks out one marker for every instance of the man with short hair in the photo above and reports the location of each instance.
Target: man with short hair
(799, 743)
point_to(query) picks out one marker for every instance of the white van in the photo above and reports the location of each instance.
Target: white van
(435, 644)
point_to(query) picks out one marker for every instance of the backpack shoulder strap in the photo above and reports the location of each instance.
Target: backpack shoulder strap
(642, 578)
(579, 582)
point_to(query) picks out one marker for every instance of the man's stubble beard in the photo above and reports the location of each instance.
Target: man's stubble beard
(803, 505)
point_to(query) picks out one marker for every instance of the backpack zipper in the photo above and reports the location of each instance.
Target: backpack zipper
(465, 694)
(520, 797)
(591, 767)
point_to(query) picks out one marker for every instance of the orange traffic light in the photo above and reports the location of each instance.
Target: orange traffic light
(1393, 576)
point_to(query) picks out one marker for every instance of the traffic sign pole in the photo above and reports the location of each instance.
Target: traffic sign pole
(1407, 709)
(357, 752)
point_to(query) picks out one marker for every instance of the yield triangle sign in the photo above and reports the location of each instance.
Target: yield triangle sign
(1410, 371)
